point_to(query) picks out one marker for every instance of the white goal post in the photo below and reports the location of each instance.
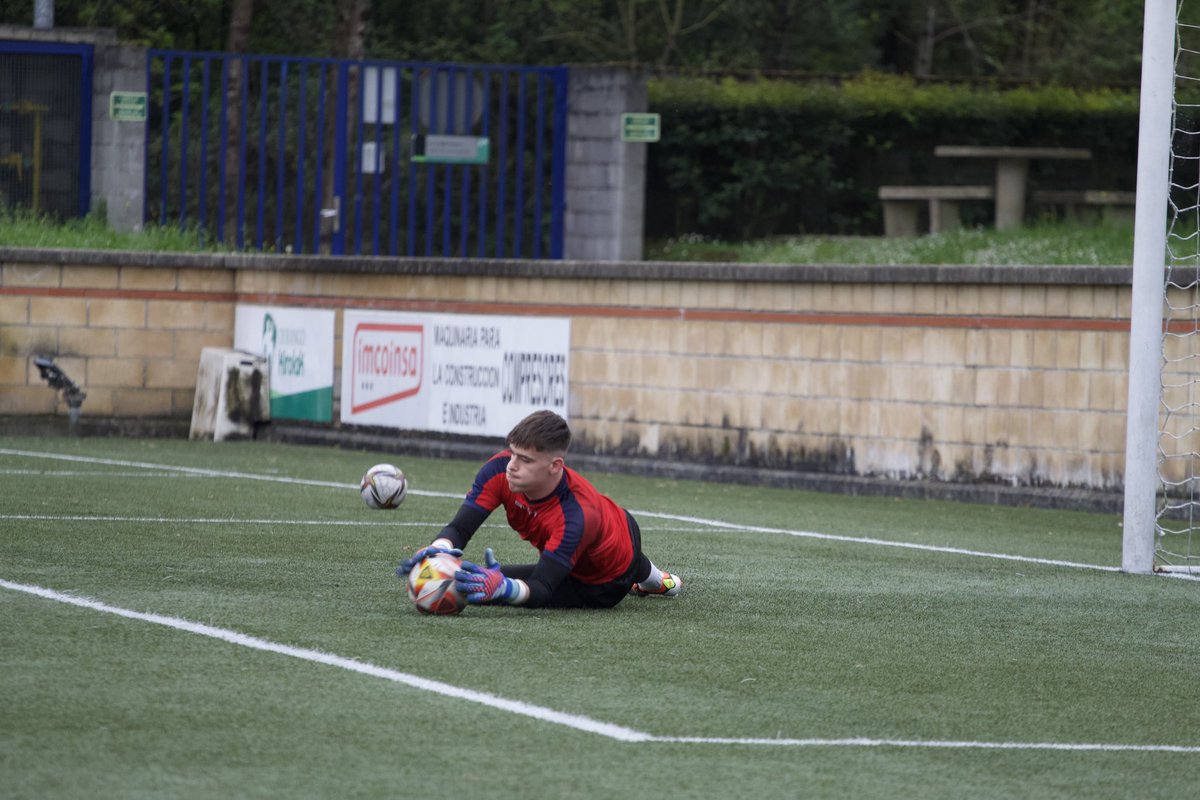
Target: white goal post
(1162, 487)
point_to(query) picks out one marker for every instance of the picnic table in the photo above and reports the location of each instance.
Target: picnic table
(1012, 172)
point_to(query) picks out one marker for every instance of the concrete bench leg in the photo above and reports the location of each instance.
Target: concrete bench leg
(1011, 177)
(899, 218)
(944, 216)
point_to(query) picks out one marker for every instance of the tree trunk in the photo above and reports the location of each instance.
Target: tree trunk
(239, 38)
(924, 67)
(1031, 14)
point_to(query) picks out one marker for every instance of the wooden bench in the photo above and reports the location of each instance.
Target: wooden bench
(901, 205)
(1075, 204)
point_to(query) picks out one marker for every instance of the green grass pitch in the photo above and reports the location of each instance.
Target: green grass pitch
(182, 619)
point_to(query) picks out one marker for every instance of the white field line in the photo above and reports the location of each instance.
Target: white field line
(213, 520)
(930, 548)
(93, 473)
(316, 656)
(930, 743)
(199, 471)
(540, 713)
(436, 524)
(709, 523)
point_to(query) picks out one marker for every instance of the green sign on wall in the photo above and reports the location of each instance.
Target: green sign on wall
(640, 127)
(127, 106)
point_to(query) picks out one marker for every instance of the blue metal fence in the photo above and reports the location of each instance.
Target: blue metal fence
(358, 157)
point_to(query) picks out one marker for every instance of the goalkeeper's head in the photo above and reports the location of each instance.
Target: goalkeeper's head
(544, 431)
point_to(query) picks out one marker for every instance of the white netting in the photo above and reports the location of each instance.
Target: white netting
(1177, 544)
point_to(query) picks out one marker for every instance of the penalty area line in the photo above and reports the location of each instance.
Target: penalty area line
(539, 713)
(831, 537)
(932, 744)
(331, 523)
(575, 721)
(707, 523)
(198, 471)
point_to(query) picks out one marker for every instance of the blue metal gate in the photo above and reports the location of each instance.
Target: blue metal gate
(310, 155)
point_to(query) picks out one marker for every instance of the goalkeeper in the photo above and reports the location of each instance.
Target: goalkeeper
(591, 548)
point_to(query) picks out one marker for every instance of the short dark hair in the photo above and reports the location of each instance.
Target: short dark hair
(542, 430)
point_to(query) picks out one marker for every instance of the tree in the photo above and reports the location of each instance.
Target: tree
(1065, 40)
(237, 42)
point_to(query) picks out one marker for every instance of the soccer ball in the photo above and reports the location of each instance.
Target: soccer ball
(431, 585)
(384, 486)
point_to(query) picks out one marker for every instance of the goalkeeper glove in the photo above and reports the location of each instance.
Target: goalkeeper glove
(487, 584)
(425, 552)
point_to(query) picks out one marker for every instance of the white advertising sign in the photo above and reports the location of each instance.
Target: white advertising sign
(453, 373)
(298, 346)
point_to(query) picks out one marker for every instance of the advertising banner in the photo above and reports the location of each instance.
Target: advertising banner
(298, 346)
(454, 373)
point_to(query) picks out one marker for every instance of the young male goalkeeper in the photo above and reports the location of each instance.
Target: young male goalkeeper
(591, 548)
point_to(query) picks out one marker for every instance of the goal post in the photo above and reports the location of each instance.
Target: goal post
(1166, 44)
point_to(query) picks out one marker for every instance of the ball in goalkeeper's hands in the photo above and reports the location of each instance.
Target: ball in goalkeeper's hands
(384, 486)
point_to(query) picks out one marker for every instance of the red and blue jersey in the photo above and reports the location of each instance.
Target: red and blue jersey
(576, 526)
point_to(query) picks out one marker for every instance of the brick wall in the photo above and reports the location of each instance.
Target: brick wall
(1015, 375)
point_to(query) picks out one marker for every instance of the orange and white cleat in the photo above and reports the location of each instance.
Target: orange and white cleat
(671, 584)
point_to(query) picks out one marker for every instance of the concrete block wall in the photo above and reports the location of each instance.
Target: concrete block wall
(1014, 376)
(118, 148)
(606, 177)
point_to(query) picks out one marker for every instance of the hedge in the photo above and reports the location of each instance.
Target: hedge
(747, 159)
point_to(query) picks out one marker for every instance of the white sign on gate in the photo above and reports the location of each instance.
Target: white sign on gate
(455, 373)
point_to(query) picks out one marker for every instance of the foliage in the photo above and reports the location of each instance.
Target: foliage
(1065, 40)
(745, 159)
(23, 228)
(1044, 243)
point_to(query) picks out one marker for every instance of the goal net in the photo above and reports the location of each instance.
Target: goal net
(1162, 486)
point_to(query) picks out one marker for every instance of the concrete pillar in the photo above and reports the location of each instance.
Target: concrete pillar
(118, 148)
(606, 177)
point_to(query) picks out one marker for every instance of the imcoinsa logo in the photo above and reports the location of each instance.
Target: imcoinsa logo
(387, 364)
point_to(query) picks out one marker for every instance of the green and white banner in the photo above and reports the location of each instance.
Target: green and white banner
(298, 346)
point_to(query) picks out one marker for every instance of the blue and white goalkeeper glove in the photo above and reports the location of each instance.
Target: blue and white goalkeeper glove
(425, 552)
(487, 584)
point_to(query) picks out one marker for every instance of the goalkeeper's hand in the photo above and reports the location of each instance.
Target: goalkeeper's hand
(425, 552)
(486, 584)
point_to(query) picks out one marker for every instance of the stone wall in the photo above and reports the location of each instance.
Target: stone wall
(606, 177)
(1014, 375)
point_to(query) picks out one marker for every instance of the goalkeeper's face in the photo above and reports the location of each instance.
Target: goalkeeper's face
(535, 473)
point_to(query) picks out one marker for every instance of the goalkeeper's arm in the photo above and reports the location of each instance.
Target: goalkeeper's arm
(542, 579)
(451, 539)
(530, 585)
(460, 529)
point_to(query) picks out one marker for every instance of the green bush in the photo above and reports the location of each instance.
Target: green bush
(747, 159)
